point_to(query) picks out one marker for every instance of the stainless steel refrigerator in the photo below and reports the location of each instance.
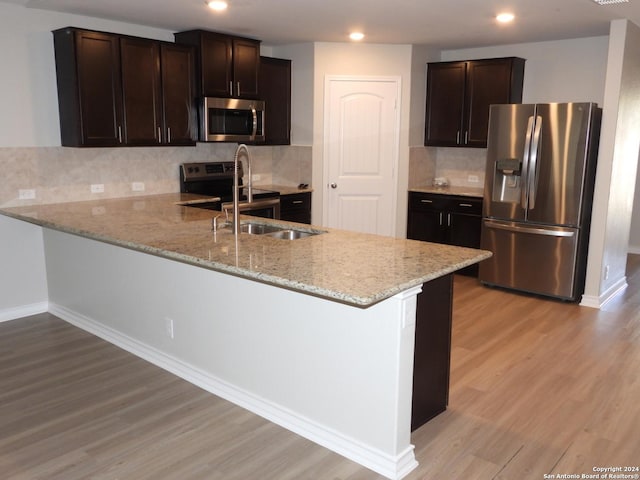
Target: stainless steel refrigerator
(540, 174)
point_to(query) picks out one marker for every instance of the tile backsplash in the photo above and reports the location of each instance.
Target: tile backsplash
(60, 174)
(460, 166)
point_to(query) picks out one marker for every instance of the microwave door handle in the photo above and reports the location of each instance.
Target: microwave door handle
(255, 122)
(525, 164)
(533, 168)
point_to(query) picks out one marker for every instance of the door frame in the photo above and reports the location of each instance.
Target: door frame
(397, 80)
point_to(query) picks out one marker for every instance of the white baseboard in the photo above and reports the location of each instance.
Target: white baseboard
(599, 301)
(394, 468)
(14, 313)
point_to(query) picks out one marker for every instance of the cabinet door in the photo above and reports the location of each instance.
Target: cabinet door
(275, 90)
(178, 95)
(89, 92)
(426, 218)
(296, 207)
(488, 82)
(464, 224)
(445, 102)
(216, 64)
(246, 62)
(432, 352)
(464, 230)
(141, 91)
(426, 226)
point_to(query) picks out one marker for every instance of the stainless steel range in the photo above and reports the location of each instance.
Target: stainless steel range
(215, 179)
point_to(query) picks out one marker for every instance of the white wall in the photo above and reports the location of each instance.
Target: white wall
(302, 66)
(557, 71)
(617, 164)
(23, 285)
(364, 60)
(28, 93)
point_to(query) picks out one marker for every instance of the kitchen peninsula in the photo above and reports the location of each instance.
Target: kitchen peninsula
(315, 334)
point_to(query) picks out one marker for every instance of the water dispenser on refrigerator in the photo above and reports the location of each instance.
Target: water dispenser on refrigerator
(506, 183)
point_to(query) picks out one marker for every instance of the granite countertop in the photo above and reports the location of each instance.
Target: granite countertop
(353, 268)
(285, 189)
(450, 190)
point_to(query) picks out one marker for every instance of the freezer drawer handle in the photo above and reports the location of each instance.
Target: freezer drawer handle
(533, 230)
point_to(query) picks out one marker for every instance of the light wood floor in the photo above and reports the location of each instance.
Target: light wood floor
(537, 386)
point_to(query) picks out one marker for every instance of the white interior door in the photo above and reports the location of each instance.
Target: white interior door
(361, 131)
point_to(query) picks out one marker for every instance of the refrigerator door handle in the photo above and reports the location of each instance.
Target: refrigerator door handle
(510, 227)
(533, 164)
(524, 194)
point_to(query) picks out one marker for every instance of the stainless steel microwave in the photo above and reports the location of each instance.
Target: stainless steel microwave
(232, 120)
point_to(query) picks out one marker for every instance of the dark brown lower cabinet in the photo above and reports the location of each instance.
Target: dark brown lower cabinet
(432, 355)
(451, 219)
(296, 207)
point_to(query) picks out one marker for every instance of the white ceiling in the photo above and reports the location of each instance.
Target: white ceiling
(445, 24)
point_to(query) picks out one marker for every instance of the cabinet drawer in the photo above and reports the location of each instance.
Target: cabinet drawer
(471, 206)
(427, 201)
(296, 201)
(435, 201)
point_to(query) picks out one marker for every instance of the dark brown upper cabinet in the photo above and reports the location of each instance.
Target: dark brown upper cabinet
(459, 95)
(89, 88)
(275, 90)
(117, 90)
(179, 99)
(227, 66)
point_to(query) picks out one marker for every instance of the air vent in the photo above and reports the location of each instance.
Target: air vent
(610, 2)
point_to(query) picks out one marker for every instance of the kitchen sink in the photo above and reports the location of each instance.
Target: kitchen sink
(258, 228)
(274, 231)
(290, 234)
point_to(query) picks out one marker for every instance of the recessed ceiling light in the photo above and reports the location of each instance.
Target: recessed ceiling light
(505, 17)
(357, 36)
(217, 5)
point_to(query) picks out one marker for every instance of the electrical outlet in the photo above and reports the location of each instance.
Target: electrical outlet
(255, 177)
(168, 327)
(473, 179)
(137, 186)
(97, 188)
(26, 194)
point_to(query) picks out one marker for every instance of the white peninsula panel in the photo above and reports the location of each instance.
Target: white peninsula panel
(337, 374)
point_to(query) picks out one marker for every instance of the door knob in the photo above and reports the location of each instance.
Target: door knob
(334, 185)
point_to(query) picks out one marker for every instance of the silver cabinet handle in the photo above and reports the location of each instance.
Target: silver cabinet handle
(458, 137)
(466, 137)
(297, 202)
(424, 200)
(334, 185)
(119, 134)
(168, 134)
(238, 88)
(448, 219)
(159, 135)
(440, 219)
(465, 205)
(231, 88)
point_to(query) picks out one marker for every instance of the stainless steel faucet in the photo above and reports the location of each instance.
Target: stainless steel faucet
(236, 187)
